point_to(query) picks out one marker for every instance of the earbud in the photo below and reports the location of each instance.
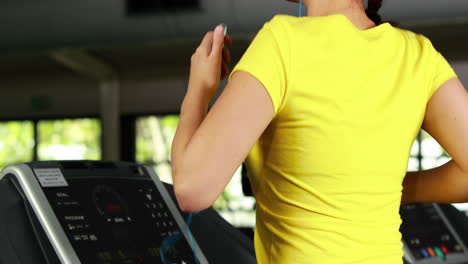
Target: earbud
(300, 8)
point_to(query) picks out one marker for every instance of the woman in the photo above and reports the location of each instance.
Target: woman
(334, 101)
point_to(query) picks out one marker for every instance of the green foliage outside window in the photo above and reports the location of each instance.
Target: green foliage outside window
(16, 142)
(69, 139)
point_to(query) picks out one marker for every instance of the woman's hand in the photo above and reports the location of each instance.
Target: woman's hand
(209, 63)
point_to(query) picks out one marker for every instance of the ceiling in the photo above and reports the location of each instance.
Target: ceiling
(58, 23)
(31, 29)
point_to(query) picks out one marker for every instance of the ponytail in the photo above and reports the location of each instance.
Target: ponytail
(372, 11)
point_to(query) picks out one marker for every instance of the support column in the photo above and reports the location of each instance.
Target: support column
(109, 94)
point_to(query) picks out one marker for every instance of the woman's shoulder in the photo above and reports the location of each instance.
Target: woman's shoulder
(282, 20)
(281, 24)
(411, 35)
(417, 40)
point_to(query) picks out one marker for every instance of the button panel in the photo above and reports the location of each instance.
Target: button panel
(73, 217)
(425, 233)
(159, 212)
(117, 221)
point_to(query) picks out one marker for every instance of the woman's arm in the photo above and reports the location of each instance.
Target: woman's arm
(446, 120)
(209, 147)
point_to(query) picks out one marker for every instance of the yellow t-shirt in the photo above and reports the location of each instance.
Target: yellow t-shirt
(328, 170)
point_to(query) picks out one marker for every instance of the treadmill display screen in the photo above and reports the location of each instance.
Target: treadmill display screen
(118, 221)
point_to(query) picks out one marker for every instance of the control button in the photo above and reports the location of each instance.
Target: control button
(445, 237)
(66, 202)
(74, 218)
(444, 249)
(424, 253)
(431, 252)
(93, 237)
(71, 227)
(158, 225)
(119, 220)
(164, 224)
(171, 224)
(458, 248)
(159, 215)
(62, 195)
(85, 237)
(154, 206)
(160, 205)
(439, 252)
(77, 237)
(165, 214)
(415, 242)
(149, 197)
(147, 205)
(153, 215)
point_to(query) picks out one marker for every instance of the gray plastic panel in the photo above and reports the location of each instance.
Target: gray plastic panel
(51, 225)
(44, 212)
(452, 258)
(456, 257)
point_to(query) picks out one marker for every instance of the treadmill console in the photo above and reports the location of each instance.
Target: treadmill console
(105, 212)
(429, 237)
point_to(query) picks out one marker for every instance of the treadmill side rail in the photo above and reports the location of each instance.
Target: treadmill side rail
(172, 207)
(44, 212)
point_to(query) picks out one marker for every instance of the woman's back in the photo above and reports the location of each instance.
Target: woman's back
(348, 106)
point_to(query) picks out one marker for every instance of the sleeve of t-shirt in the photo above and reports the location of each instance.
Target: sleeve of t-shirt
(264, 59)
(441, 71)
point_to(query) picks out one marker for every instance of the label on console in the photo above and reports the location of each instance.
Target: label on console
(51, 177)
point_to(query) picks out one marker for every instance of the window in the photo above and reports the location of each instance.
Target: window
(62, 139)
(432, 154)
(154, 136)
(414, 160)
(69, 139)
(16, 142)
(426, 153)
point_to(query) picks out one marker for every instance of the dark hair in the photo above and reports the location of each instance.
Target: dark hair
(372, 11)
